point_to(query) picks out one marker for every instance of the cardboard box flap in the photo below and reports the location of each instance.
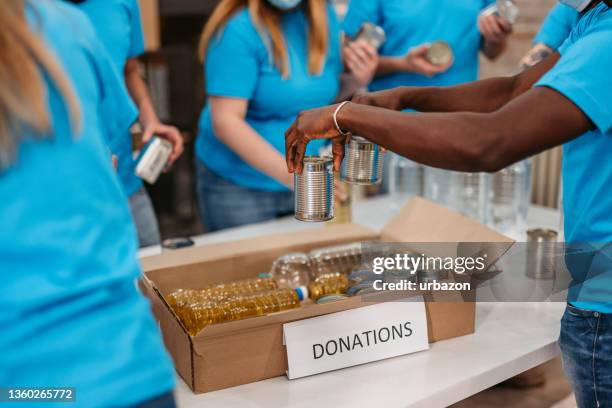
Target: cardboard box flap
(423, 221)
(437, 231)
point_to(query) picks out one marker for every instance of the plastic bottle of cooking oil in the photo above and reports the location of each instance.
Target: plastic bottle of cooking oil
(223, 291)
(328, 284)
(197, 312)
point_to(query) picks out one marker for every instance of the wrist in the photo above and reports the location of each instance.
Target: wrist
(148, 119)
(402, 64)
(342, 118)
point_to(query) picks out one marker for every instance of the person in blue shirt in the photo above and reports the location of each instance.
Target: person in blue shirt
(118, 26)
(484, 126)
(265, 60)
(554, 31)
(70, 312)
(411, 25)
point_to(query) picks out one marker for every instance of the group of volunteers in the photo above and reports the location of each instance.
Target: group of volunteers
(71, 221)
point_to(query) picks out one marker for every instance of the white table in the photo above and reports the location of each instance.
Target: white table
(510, 338)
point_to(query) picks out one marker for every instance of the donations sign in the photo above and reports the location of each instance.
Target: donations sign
(354, 337)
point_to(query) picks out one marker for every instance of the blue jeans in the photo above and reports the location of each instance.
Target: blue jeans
(223, 204)
(144, 218)
(586, 345)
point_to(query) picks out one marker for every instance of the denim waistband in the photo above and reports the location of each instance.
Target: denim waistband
(586, 313)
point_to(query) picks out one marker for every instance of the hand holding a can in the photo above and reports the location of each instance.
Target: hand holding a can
(362, 60)
(312, 125)
(494, 28)
(169, 133)
(416, 61)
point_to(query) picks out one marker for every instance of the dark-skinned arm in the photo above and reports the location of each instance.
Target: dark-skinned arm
(486, 95)
(539, 119)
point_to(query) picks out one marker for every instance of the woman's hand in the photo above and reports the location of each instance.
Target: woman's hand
(415, 61)
(387, 99)
(311, 125)
(494, 29)
(170, 133)
(362, 61)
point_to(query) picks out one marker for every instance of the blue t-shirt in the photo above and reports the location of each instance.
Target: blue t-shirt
(583, 76)
(239, 65)
(557, 26)
(118, 26)
(409, 23)
(70, 313)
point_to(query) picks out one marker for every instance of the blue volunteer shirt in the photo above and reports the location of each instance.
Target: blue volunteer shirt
(70, 314)
(583, 76)
(557, 26)
(410, 23)
(118, 27)
(238, 65)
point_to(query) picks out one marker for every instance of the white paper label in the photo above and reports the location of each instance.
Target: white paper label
(356, 336)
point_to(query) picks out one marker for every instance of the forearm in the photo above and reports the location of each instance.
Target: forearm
(452, 141)
(487, 95)
(464, 141)
(139, 92)
(388, 65)
(241, 138)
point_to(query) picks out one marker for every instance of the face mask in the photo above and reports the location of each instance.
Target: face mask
(285, 4)
(578, 5)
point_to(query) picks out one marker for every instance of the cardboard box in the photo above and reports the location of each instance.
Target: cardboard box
(235, 353)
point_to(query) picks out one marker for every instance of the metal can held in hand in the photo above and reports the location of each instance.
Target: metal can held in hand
(363, 162)
(314, 190)
(153, 159)
(371, 34)
(505, 9)
(439, 53)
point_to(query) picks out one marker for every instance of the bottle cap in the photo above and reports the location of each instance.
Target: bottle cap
(264, 275)
(302, 292)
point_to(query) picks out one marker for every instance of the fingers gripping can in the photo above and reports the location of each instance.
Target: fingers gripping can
(363, 162)
(372, 34)
(314, 190)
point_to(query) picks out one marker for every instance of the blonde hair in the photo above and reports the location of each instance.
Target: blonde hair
(23, 91)
(266, 19)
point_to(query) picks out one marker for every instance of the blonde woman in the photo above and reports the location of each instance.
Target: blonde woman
(265, 60)
(70, 314)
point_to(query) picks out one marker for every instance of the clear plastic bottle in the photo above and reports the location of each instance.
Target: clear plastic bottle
(328, 284)
(470, 194)
(197, 312)
(437, 187)
(340, 258)
(510, 198)
(292, 270)
(406, 179)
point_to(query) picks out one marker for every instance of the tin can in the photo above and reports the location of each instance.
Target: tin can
(153, 159)
(314, 190)
(505, 9)
(363, 162)
(371, 34)
(541, 253)
(439, 53)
